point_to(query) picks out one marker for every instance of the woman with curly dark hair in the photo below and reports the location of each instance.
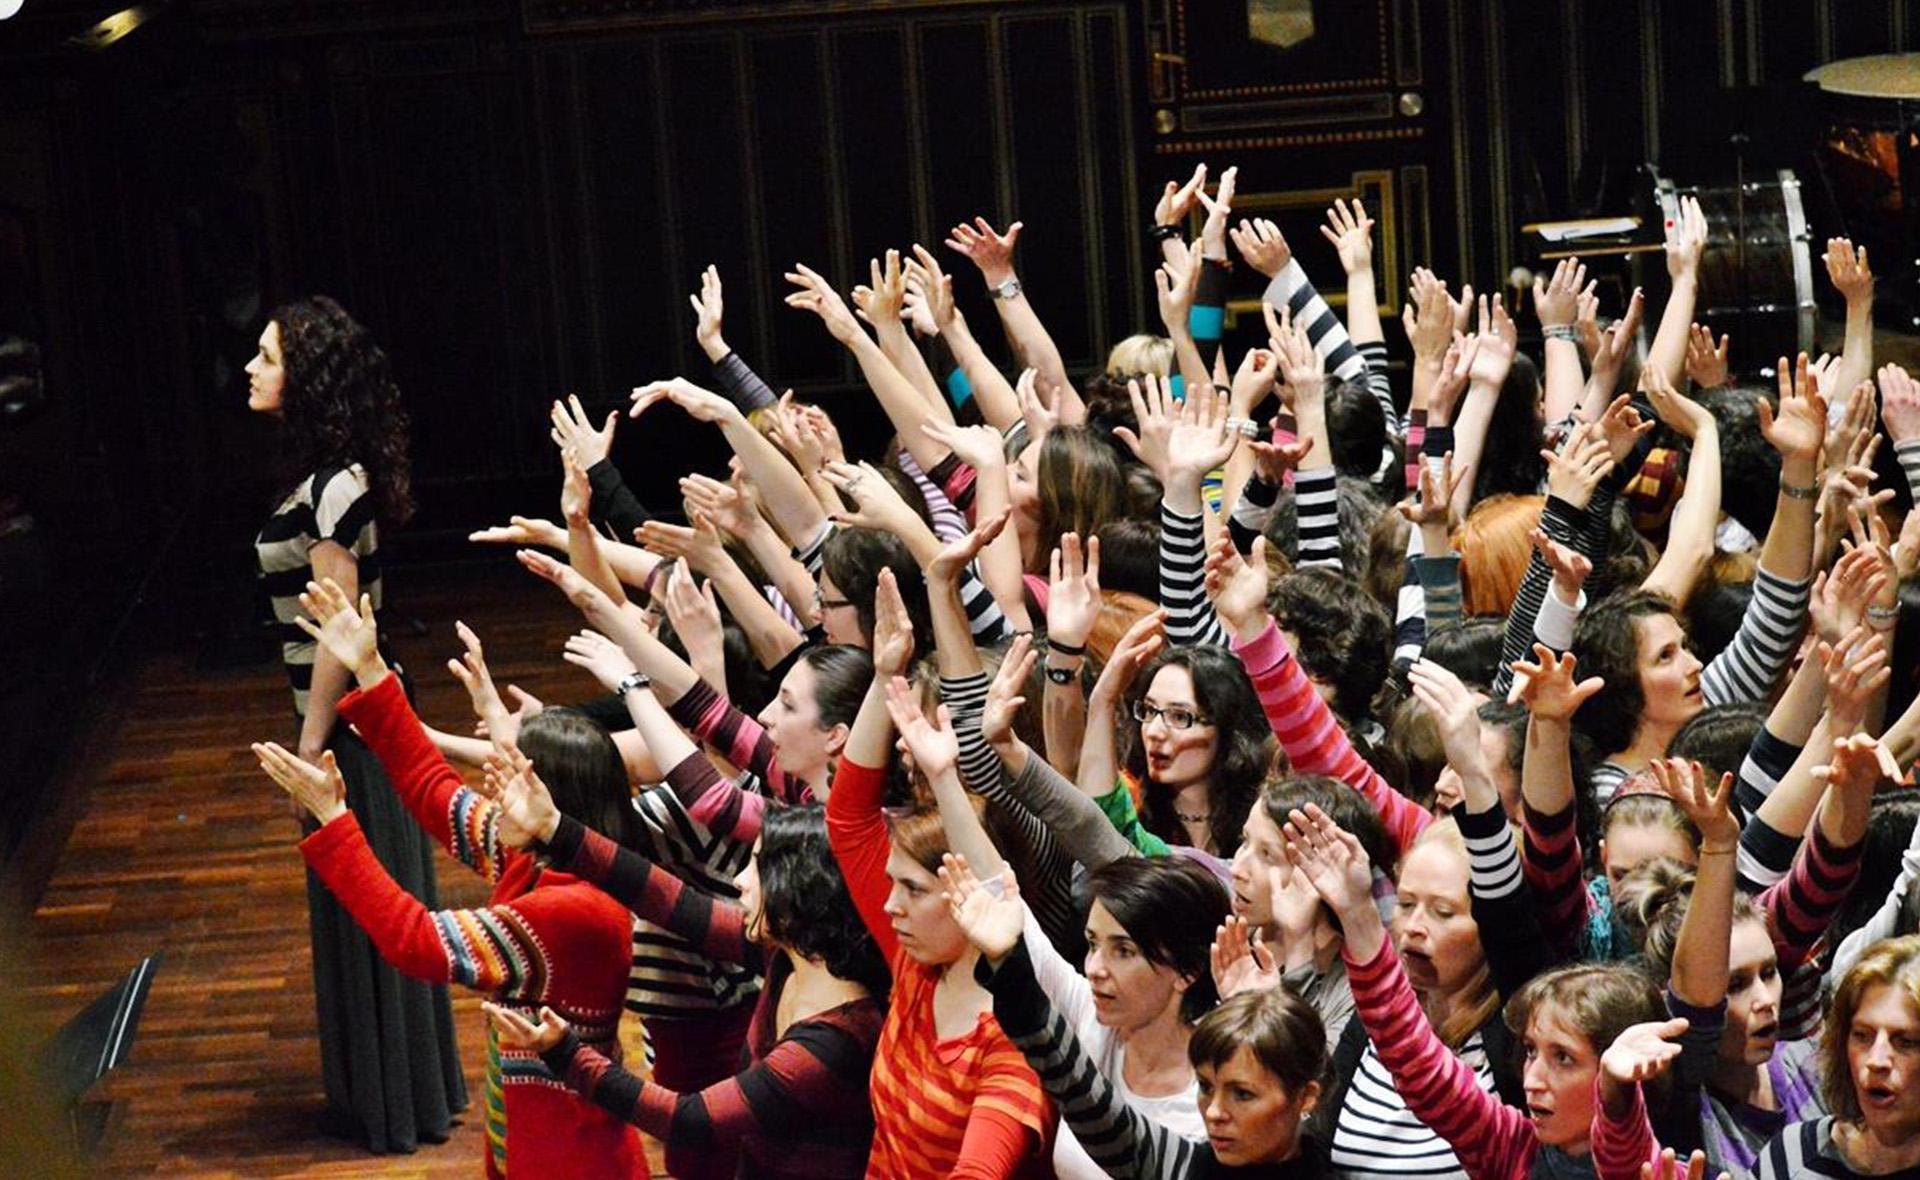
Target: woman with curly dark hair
(799, 1106)
(387, 1059)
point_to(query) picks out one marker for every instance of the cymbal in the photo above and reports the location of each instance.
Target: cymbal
(1883, 75)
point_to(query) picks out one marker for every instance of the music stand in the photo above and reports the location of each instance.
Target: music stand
(92, 1043)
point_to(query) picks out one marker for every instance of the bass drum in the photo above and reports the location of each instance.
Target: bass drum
(1756, 274)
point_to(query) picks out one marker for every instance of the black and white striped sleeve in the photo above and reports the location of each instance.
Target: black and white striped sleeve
(1183, 591)
(1769, 634)
(1292, 289)
(1316, 511)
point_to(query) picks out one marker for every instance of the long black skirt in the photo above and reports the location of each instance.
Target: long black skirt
(387, 1055)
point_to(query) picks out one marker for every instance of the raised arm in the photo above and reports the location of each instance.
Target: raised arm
(992, 252)
(992, 392)
(795, 512)
(1550, 846)
(1847, 269)
(1556, 303)
(1686, 239)
(1690, 535)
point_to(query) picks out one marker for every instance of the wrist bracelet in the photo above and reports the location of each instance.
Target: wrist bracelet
(1065, 649)
(1883, 618)
(1720, 851)
(1799, 492)
(1560, 332)
(1244, 426)
(1161, 233)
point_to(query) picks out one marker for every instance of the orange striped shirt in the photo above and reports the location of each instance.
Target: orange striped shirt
(924, 1089)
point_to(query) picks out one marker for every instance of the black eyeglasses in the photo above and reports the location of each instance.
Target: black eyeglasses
(822, 603)
(1175, 717)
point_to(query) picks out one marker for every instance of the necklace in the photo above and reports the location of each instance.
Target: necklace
(1184, 818)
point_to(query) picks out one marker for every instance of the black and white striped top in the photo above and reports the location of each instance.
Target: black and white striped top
(1807, 1149)
(670, 977)
(1376, 1136)
(333, 504)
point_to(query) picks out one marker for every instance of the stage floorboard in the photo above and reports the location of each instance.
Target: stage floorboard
(184, 846)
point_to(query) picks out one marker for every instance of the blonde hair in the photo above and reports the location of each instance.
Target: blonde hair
(1894, 963)
(1494, 551)
(1478, 1001)
(1143, 353)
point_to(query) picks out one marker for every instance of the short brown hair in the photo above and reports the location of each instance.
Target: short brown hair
(1282, 1030)
(1600, 1001)
(1895, 963)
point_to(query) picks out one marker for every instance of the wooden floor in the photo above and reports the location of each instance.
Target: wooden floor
(185, 847)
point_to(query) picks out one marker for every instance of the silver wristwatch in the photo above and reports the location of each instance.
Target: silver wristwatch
(1007, 290)
(636, 680)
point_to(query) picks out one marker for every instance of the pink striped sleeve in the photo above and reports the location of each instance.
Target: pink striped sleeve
(1801, 904)
(1619, 1148)
(1491, 1138)
(741, 740)
(1312, 737)
(1550, 858)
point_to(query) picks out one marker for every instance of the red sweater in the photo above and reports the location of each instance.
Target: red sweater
(968, 1107)
(544, 938)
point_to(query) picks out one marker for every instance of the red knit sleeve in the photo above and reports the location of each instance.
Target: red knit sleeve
(1312, 737)
(1550, 860)
(860, 843)
(494, 949)
(430, 789)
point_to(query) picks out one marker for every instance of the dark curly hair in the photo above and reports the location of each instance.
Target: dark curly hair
(1341, 635)
(1223, 692)
(1606, 642)
(340, 404)
(805, 905)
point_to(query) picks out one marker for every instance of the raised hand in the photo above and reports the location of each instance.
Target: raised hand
(934, 287)
(794, 431)
(1570, 566)
(572, 428)
(1351, 231)
(1199, 441)
(1547, 687)
(1455, 716)
(1261, 243)
(1670, 1168)
(523, 530)
(1707, 804)
(1499, 342)
(1136, 648)
(992, 924)
(1842, 595)
(1156, 410)
(980, 447)
(1686, 240)
(933, 744)
(1037, 407)
(1799, 428)
(1004, 699)
(702, 405)
(1332, 859)
(708, 308)
(1859, 763)
(697, 544)
(1616, 343)
(1175, 283)
(1240, 961)
(517, 1032)
(1622, 427)
(1556, 300)
(1177, 200)
(892, 628)
(817, 295)
(1428, 315)
(1432, 501)
(1706, 361)
(1642, 1052)
(1899, 403)
(349, 634)
(725, 505)
(1456, 372)
(881, 303)
(503, 728)
(1848, 270)
(319, 790)
(576, 493)
(1576, 469)
(524, 811)
(1302, 367)
(1586, 323)
(1073, 591)
(1857, 669)
(694, 613)
(1219, 207)
(587, 598)
(1238, 585)
(1253, 381)
(953, 558)
(600, 656)
(1682, 414)
(1273, 460)
(986, 248)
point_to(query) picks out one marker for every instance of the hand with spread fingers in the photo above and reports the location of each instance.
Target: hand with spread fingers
(319, 790)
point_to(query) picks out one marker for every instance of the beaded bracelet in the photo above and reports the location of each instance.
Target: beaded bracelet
(1560, 332)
